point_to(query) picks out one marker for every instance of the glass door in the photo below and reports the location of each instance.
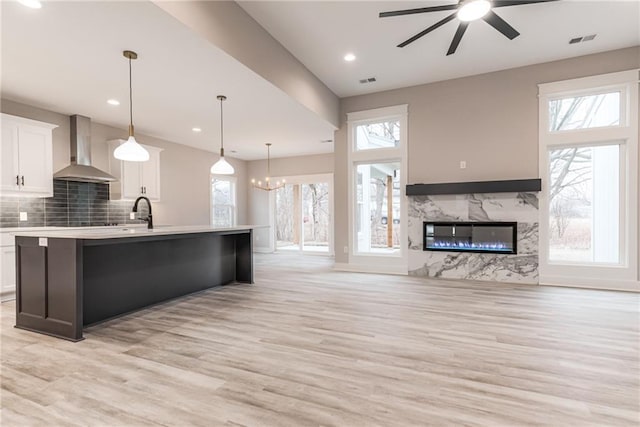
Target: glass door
(377, 222)
(302, 217)
(315, 217)
(287, 220)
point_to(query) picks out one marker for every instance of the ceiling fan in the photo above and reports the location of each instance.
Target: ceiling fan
(466, 11)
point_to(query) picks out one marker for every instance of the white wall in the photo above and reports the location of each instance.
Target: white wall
(489, 120)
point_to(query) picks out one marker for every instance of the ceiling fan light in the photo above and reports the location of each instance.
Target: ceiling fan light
(473, 9)
(131, 151)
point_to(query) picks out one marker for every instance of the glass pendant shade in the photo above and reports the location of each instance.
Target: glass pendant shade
(473, 9)
(222, 167)
(131, 151)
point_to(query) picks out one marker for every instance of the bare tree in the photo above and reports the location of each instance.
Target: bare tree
(560, 217)
(570, 169)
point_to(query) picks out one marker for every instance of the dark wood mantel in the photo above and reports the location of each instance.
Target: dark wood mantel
(505, 186)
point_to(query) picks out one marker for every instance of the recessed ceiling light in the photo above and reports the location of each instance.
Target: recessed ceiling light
(196, 129)
(349, 57)
(113, 102)
(33, 4)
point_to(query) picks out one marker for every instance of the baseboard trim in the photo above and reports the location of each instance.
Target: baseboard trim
(371, 268)
(262, 250)
(601, 284)
(7, 296)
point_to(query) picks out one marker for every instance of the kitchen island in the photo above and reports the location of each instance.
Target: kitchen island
(70, 279)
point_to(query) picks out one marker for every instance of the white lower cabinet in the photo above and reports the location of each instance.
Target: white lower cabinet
(135, 178)
(8, 264)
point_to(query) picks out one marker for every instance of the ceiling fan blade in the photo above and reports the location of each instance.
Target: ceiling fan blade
(418, 10)
(457, 37)
(428, 30)
(503, 3)
(501, 25)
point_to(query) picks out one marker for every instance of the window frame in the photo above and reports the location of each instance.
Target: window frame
(301, 180)
(592, 274)
(620, 88)
(367, 261)
(234, 196)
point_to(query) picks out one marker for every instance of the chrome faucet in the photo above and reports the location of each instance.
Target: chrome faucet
(149, 218)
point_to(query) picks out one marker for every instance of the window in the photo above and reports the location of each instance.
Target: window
(383, 134)
(377, 219)
(377, 178)
(303, 214)
(223, 201)
(584, 112)
(584, 204)
(588, 165)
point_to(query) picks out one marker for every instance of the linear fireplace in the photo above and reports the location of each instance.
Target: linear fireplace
(479, 237)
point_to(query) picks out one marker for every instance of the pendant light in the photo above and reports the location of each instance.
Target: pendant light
(131, 151)
(267, 181)
(222, 167)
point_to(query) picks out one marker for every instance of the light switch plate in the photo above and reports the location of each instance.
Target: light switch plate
(463, 164)
(132, 215)
(43, 241)
(23, 216)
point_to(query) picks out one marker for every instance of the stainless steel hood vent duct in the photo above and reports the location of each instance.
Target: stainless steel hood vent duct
(80, 168)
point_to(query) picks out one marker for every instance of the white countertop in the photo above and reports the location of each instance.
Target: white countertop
(15, 230)
(126, 231)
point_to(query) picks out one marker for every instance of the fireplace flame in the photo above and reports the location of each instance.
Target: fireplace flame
(492, 246)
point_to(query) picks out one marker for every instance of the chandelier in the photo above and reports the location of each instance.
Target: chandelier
(267, 181)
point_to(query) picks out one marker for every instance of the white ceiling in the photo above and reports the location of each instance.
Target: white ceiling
(320, 33)
(67, 57)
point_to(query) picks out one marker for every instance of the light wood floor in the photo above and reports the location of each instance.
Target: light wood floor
(309, 346)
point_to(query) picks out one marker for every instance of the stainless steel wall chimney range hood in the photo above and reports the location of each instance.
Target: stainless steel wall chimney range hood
(80, 168)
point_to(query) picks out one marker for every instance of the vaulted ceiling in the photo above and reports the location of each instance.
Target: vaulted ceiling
(67, 57)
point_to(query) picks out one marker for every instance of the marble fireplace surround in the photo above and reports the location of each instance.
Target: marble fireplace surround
(521, 207)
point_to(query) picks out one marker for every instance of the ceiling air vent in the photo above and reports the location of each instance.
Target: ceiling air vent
(582, 39)
(368, 80)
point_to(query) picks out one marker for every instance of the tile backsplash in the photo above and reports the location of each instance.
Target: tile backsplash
(74, 204)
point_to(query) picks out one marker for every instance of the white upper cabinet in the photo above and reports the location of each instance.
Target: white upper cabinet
(135, 178)
(26, 157)
(150, 174)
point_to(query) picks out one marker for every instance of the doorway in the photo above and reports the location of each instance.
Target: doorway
(303, 220)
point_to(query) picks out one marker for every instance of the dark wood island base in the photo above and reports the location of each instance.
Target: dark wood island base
(64, 283)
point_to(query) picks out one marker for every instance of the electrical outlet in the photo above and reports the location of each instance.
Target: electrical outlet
(463, 164)
(346, 249)
(257, 238)
(23, 216)
(132, 215)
